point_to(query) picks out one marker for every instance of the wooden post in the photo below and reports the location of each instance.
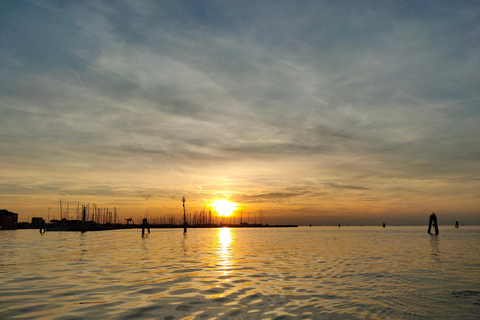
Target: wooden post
(433, 222)
(145, 225)
(43, 228)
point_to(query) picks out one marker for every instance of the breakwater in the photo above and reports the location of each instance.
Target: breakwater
(73, 225)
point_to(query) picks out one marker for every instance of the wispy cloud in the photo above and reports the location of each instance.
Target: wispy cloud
(267, 197)
(148, 100)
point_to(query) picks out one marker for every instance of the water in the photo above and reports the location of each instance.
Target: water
(284, 273)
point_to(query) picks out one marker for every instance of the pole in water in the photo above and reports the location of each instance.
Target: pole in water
(339, 225)
(456, 224)
(384, 224)
(145, 225)
(43, 228)
(433, 222)
(184, 216)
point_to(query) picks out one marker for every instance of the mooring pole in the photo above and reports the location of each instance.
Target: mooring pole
(145, 225)
(184, 216)
(430, 222)
(43, 228)
(433, 222)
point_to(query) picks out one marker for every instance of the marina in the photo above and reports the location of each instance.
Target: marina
(103, 219)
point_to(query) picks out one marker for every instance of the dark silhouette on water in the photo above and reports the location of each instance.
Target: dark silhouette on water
(433, 222)
(43, 227)
(145, 225)
(456, 224)
(184, 216)
(384, 224)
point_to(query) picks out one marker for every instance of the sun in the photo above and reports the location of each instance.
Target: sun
(223, 207)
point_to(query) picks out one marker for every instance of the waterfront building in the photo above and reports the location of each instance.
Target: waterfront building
(8, 220)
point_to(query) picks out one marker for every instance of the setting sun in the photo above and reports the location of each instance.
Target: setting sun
(223, 207)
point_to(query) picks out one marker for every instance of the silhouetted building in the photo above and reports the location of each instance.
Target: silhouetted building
(37, 222)
(8, 220)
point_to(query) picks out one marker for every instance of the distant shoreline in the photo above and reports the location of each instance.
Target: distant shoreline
(104, 227)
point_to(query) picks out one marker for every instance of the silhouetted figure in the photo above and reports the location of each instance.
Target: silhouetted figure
(339, 225)
(456, 224)
(433, 222)
(145, 225)
(310, 224)
(384, 224)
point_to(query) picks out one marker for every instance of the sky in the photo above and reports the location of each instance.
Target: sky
(321, 112)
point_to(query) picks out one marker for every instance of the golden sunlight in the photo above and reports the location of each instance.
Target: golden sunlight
(225, 250)
(223, 207)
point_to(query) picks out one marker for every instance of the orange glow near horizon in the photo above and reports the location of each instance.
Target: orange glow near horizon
(224, 208)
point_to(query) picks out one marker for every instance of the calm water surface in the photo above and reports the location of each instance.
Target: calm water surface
(273, 273)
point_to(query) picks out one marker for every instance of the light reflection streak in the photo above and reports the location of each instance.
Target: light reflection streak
(224, 251)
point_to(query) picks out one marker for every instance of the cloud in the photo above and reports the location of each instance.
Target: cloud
(267, 197)
(339, 186)
(250, 97)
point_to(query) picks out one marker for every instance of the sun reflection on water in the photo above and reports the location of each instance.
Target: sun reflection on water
(225, 251)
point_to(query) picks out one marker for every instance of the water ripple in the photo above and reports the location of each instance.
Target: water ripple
(304, 273)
